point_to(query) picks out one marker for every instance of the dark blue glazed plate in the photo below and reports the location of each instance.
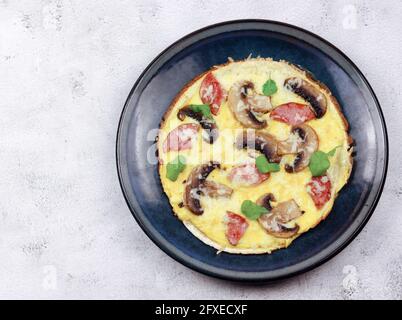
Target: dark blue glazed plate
(196, 53)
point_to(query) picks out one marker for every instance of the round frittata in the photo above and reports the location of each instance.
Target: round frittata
(252, 154)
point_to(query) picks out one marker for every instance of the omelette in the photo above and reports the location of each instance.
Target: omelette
(252, 154)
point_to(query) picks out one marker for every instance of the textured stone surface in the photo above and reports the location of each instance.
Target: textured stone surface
(66, 68)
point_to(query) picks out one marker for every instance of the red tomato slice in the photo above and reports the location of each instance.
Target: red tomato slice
(247, 174)
(292, 113)
(212, 93)
(319, 188)
(236, 226)
(181, 137)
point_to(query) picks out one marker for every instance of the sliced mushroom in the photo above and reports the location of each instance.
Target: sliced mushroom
(302, 141)
(265, 201)
(262, 142)
(274, 221)
(308, 92)
(215, 190)
(192, 192)
(209, 125)
(197, 186)
(245, 102)
(287, 211)
(258, 102)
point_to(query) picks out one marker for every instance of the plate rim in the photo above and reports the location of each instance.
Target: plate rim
(244, 276)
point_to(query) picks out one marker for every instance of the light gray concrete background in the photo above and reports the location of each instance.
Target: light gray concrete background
(66, 68)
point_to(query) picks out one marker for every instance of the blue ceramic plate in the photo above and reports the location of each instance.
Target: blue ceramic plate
(196, 53)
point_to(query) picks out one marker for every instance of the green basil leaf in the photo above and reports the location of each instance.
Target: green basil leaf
(203, 108)
(269, 87)
(251, 210)
(264, 166)
(332, 152)
(175, 167)
(319, 163)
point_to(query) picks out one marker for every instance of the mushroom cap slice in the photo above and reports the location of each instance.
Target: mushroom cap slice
(274, 221)
(272, 226)
(215, 190)
(244, 102)
(287, 211)
(209, 125)
(308, 92)
(196, 186)
(265, 201)
(302, 141)
(259, 103)
(262, 142)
